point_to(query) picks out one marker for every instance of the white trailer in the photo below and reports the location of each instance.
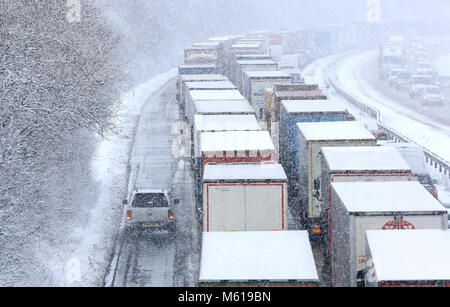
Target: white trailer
(311, 137)
(236, 147)
(259, 259)
(247, 57)
(223, 107)
(358, 164)
(255, 83)
(244, 197)
(360, 206)
(216, 123)
(407, 258)
(183, 79)
(242, 49)
(206, 85)
(252, 65)
(208, 95)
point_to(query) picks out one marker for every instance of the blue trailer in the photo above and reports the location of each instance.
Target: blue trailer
(301, 111)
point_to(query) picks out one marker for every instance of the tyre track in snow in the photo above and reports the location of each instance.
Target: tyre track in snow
(158, 259)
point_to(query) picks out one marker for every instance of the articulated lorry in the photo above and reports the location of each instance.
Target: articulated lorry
(391, 56)
(311, 138)
(294, 112)
(208, 95)
(183, 79)
(255, 83)
(217, 123)
(252, 65)
(357, 164)
(360, 206)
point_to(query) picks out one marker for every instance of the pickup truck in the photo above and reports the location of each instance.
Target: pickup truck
(150, 209)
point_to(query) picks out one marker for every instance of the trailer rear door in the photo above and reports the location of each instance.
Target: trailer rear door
(265, 207)
(228, 211)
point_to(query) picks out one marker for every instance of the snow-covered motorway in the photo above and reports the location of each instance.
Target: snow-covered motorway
(356, 74)
(157, 258)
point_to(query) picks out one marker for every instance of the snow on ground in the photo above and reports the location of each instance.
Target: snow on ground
(85, 259)
(318, 72)
(431, 135)
(342, 67)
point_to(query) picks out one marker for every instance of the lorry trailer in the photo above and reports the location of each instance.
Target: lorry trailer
(223, 107)
(360, 206)
(255, 82)
(252, 65)
(244, 197)
(236, 147)
(183, 79)
(357, 164)
(216, 123)
(206, 86)
(257, 259)
(294, 112)
(292, 92)
(207, 95)
(311, 137)
(407, 258)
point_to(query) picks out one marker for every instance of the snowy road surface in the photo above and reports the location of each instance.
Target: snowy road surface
(354, 75)
(158, 259)
(354, 72)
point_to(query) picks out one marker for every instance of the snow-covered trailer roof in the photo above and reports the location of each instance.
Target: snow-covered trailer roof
(236, 141)
(223, 107)
(256, 62)
(210, 85)
(371, 158)
(386, 197)
(205, 78)
(216, 95)
(245, 46)
(244, 172)
(189, 66)
(313, 106)
(257, 256)
(226, 123)
(268, 75)
(307, 95)
(253, 56)
(334, 131)
(410, 255)
(207, 44)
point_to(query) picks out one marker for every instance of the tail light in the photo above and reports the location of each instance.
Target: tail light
(316, 230)
(435, 193)
(129, 215)
(171, 216)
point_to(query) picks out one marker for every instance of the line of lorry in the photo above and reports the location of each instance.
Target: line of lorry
(267, 149)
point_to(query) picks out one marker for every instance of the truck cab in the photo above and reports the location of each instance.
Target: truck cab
(150, 209)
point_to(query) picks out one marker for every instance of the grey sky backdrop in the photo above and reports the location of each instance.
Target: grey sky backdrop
(156, 31)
